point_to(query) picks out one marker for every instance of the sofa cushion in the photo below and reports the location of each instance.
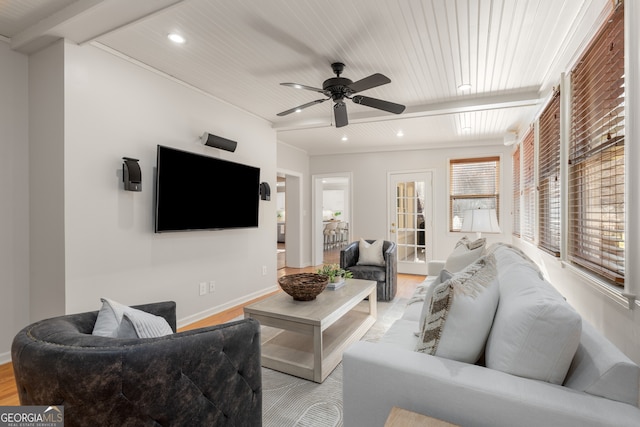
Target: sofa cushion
(401, 334)
(461, 312)
(601, 369)
(140, 324)
(370, 253)
(535, 333)
(464, 254)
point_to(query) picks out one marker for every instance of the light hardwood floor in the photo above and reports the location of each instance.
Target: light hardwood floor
(406, 286)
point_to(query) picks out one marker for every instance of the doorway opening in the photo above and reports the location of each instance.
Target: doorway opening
(281, 211)
(333, 227)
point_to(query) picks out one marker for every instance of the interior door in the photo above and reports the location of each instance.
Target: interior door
(410, 224)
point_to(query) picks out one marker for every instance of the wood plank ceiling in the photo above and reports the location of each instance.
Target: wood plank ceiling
(511, 52)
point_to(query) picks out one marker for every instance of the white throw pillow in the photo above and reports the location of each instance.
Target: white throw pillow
(461, 312)
(465, 253)
(536, 332)
(370, 253)
(138, 323)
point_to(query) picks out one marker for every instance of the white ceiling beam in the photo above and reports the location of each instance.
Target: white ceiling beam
(467, 104)
(85, 20)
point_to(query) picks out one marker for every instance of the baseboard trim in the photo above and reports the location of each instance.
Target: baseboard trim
(5, 357)
(224, 307)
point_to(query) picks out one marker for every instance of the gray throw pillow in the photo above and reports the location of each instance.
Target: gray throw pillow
(117, 320)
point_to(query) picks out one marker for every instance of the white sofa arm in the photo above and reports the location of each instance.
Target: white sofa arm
(379, 376)
(434, 267)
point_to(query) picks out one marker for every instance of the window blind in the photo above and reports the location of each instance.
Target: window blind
(596, 154)
(528, 187)
(474, 183)
(549, 177)
(516, 191)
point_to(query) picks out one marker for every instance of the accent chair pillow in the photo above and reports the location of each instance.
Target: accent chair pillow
(461, 312)
(137, 323)
(535, 333)
(370, 253)
(140, 324)
(465, 253)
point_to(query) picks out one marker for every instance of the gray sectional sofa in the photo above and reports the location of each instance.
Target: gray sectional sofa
(539, 363)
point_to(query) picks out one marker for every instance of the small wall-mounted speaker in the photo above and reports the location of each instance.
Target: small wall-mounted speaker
(131, 174)
(218, 142)
(265, 191)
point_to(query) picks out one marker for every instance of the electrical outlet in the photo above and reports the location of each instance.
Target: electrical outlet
(212, 286)
(264, 270)
(203, 288)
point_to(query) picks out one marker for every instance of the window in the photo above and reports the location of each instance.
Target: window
(528, 187)
(549, 178)
(596, 154)
(474, 184)
(516, 192)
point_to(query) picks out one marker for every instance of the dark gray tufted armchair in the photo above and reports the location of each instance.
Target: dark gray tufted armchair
(203, 377)
(386, 276)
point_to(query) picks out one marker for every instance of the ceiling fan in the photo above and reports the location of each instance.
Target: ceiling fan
(338, 88)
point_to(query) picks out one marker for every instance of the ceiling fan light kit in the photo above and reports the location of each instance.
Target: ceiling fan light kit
(338, 88)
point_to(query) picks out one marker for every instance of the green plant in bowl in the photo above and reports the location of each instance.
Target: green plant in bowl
(334, 272)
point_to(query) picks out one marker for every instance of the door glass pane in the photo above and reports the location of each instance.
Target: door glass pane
(410, 221)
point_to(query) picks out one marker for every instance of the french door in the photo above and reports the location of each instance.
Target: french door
(410, 219)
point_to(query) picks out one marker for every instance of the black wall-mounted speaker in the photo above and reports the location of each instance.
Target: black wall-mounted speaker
(131, 174)
(218, 142)
(265, 191)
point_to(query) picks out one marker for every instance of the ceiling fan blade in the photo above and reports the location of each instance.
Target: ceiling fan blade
(301, 107)
(372, 81)
(299, 86)
(379, 104)
(340, 113)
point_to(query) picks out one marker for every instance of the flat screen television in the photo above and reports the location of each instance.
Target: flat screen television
(197, 192)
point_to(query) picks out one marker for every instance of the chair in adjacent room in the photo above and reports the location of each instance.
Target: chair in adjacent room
(385, 275)
(343, 233)
(330, 233)
(207, 376)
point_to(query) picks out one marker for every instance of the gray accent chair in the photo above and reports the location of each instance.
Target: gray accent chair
(204, 377)
(386, 276)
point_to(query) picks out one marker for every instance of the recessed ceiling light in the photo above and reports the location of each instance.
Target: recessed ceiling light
(400, 134)
(464, 86)
(298, 110)
(344, 138)
(176, 38)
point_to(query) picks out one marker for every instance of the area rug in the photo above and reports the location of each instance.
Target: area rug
(289, 401)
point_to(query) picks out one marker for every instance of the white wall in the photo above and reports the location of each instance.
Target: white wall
(46, 183)
(370, 217)
(14, 197)
(114, 108)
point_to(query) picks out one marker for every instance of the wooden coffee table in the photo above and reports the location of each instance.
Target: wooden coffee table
(314, 333)
(399, 417)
